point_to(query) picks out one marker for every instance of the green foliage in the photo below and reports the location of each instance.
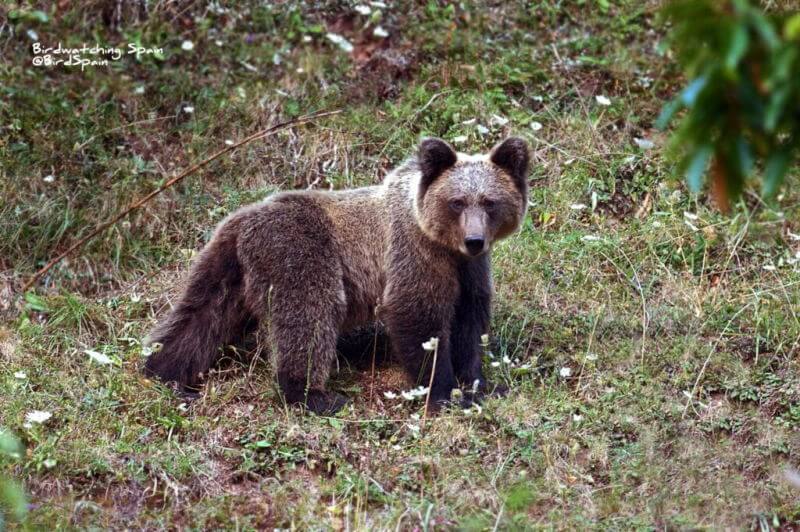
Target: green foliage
(743, 97)
(12, 497)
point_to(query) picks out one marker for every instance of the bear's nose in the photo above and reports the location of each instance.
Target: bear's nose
(474, 244)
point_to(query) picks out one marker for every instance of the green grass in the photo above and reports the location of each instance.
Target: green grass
(680, 403)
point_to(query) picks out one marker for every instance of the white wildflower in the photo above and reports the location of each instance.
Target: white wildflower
(506, 360)
(21, 375)
(469, 122)
(577, 206)
(793, 236)
(498, 120)
(32, 35)
(37, 416)
(340, 41)
(49, 178)
(495, 364)
(219, 43)
(602, 100)
(431, 345)
(139, 90)
(228, 142)
(591, 357)
(577, 418)
(135, 298)
(484, 339)
(390, 395)
(536, 126)
(565, 372)
(363, 10)
(380, 32)
(461, 139)
(483, 130)
(188, 109)
(644, 144)
(100, 358)
(769, 267)
(591, 238)
(690, 216)
(187, 46)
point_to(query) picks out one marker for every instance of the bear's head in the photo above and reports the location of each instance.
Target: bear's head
(467, 202)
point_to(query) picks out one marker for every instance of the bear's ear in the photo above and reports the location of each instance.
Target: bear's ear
(434, 156)
(512, 155)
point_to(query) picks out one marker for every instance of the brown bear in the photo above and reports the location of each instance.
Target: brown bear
(310, 266)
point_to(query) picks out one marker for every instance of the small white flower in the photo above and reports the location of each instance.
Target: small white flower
(276, 59)
(498, 120)
(483, 130)
(413, 428)
(32, 35)
(37, 416)
(769, 267)
(100, 358)
(602, 100)
(340, 41)
(495, 364)
(536, 126)
(187, 46)
(390, 395)
(21, 375)
(431, 345)
(565, 372)
(379, 5)
(591, 357)
(577, 206)
(49, 178)
(506, 360)
(591, 238)
(408, 396)
(135, 298)
(188, 109)
(644, 144)
(461, 139)
(793, 236)
(484, 339)
(228, 142)
(656, 223)
(690, 215)
(218, 43)
(363, 10)
(139, 90)
(538, 98)
(469, 122)
(577, 418)
(380, 32)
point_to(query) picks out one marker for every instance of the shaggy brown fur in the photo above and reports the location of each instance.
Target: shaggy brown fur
(311, 266)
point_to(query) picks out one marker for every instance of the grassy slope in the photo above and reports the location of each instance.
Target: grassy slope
(648, 314)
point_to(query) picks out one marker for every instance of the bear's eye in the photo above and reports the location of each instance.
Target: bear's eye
(457, 205)
(489, 205)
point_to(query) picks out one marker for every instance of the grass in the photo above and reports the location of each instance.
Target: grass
(651, 343)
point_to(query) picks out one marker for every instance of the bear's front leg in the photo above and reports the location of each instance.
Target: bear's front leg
(471, 320)
(417, 306)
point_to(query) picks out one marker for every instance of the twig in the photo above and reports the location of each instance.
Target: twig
(102, 227)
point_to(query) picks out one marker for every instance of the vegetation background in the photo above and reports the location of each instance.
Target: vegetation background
(651, 343)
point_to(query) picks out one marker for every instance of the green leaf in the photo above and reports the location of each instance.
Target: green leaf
(791, 28)
(774, 172)
(692, 90)
(696, 167)
(744, 156)
(36, 303)
(738, 46)
(765, 30)
(775, 108)
(13, 497)
(667, 112)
